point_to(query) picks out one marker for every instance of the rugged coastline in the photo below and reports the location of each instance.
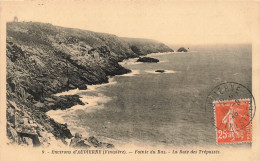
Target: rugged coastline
(42, 60)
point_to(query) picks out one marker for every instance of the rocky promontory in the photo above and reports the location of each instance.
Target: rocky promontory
(43, 60)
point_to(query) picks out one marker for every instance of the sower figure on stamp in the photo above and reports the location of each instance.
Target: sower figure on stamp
(229, 120)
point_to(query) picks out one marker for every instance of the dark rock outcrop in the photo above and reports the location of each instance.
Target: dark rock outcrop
(83, 87)
(148, 60)
(61, 102)
(97, 144)
(160, 71)
(182, 49)
(79, 142)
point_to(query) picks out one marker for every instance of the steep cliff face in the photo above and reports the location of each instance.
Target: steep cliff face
(43, 59)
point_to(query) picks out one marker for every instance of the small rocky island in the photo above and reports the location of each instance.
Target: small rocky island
(160, 71)
(182, 49)
(147, 60)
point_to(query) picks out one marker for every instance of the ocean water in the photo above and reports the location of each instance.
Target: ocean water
(149, 108)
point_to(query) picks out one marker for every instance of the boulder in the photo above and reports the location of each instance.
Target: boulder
(147, 60)
(12, 134)
(97, 144)
(13, 104)
(92, 140)
(25, 121)
(78, 142)
(50, 104)
(82, 87)
(107, 145)
(50, 99)
(39, 105)
(10, 115)
(82, 144)
(71, 86)
(78, 135)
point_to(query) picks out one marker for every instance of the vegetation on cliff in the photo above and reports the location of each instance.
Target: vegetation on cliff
(43, 59)
(147, 46)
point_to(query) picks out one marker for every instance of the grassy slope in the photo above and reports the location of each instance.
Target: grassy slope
(147, 46)
(43, 59)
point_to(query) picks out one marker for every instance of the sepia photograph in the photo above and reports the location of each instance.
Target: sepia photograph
(176, 79)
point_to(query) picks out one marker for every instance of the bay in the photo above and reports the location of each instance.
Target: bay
(151, 108)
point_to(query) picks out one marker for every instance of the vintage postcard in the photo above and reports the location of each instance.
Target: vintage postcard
(130, 80)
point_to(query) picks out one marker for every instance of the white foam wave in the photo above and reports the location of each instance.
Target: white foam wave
(185, 52)
(157, 54)
(70, 92)
(152, 72)
(162, 61)
(132, 61)
(133, 73)
(94, 87)
(92, 103)
(170, 71)
(57, 115)
(63, 116)
(111, 81)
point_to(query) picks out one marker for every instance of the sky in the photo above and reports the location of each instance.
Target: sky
(171, 22)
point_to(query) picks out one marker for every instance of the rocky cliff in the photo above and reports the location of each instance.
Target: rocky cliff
(146, 46)
(43, 59)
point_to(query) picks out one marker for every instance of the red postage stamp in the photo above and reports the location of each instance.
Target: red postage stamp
(233, 121)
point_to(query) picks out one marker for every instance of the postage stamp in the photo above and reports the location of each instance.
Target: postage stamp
(231, 108)
(232, 120)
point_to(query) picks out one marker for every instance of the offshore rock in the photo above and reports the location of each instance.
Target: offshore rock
(148, 60)
(182, 49)
(160, 71)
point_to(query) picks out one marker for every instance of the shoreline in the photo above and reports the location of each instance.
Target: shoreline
(84, 135)
(93, 105)
(56, 114)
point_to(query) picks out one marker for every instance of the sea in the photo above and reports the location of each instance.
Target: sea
(148, 108)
